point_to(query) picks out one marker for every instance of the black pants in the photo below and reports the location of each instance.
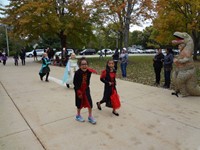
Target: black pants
(16, 62)
(115, 65)
(157, 71)
(4, 62)
(23, 62)
(167, 74)
(43, 74)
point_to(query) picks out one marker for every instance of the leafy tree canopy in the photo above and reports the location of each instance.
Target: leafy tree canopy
(68, 19)
(177, 15)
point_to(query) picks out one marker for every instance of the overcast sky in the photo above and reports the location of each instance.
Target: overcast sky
(4, 2)
(132, 28)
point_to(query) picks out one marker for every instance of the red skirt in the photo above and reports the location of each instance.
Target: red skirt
(115, 100)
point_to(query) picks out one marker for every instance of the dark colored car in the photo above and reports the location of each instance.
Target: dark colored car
(88, 52)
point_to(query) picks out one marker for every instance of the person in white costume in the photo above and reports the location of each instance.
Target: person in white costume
(70, 69)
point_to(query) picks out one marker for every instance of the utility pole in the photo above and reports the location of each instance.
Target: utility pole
(8, 51)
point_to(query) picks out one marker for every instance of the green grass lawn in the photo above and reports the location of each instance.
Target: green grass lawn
(139, 69)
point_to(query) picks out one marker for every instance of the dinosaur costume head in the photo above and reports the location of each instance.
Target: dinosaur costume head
(183, 38)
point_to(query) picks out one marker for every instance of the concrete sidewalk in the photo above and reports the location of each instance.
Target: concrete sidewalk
(36, 115)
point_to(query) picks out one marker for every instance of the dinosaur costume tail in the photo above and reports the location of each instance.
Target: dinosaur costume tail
(193, 87)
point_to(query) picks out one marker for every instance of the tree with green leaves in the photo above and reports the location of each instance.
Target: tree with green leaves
(123, 13)
(178, 15)
(67, 19)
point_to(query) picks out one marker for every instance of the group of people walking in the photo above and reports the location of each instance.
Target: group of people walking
(21, 55)
(78, 74)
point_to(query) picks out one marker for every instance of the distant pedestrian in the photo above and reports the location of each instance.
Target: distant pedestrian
(4, 58)
(70, 69)
(16, 58)
(124, 62)
(1, 56)
(105, 51)
(82, 90)
(158, 64)
(110, 96)
(45, 67)
(57, 61)
(64, 56)
(168, 61)
(35, 55)
(116, 58)
(50, 53)
(100, 54)
(23, 57)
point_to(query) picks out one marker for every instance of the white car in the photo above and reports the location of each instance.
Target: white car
(108, 52)
(70, 51)
(39, 53)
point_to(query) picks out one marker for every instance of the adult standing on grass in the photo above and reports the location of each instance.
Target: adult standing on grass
(116, 58)
(168, 61)
(124, 62)
(158, 64)
(110, 96)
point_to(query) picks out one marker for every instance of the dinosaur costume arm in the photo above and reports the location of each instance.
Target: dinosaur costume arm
(184, 60)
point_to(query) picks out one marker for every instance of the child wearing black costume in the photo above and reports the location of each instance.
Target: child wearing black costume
(81, 83)
(110, 96)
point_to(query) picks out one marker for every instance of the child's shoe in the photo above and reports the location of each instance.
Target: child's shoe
(79, 118)
(91, 120)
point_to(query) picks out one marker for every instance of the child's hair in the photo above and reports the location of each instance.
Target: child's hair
(80, 60)
(107, 67)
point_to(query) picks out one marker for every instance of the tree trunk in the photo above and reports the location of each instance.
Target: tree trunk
(120, 40)
(127, 23)
(196, 39)
(63, 39)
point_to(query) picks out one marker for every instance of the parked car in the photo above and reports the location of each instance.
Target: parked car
(108, 52)
(70, 51)
(39, 53)
(150, 51)
(135, 51)
(88, 52)
(176, 51)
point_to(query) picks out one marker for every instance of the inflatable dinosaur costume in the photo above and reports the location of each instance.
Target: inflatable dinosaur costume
(184, 77)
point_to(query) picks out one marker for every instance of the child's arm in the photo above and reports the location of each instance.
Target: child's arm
(91, 70)
(76, 85)
(103, 77)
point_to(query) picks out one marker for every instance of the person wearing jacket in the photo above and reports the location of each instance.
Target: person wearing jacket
(158, 64)
(168, 61)
(116, 58)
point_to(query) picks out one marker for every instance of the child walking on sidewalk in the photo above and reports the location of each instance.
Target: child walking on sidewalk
(81, 83)
(110, 96)
(70, 68)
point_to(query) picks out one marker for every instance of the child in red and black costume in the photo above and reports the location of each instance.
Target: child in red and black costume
(110, 96)
(81, 83)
